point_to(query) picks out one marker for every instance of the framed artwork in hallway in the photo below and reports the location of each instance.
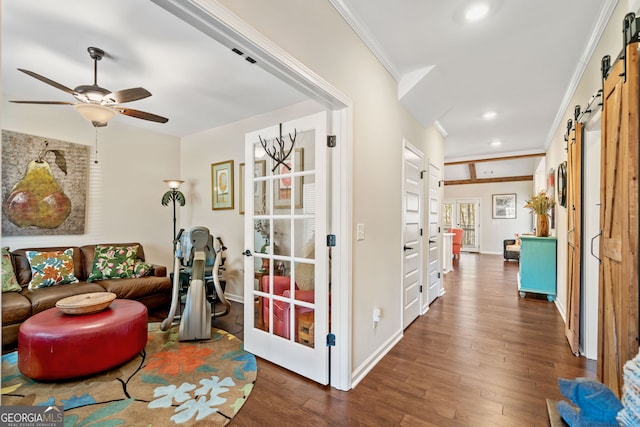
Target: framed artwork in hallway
(504, 206)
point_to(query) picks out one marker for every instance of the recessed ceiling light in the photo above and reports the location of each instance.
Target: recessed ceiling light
(477, 12)
(496, 143)
(489, 115)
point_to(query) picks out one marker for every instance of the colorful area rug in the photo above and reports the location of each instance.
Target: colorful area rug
(168, 383)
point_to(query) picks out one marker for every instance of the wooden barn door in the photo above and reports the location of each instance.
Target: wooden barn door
(618, 304)
(574, 236)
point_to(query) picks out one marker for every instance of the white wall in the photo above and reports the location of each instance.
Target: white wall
(609, 44)
(197, 154)
(125, 187)
(494, 231)
(331, 49)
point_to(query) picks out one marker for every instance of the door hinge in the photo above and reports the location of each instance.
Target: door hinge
(420, 288)
(438, 229)
(421, 231)
(438, 275)
(440, 183)
(331, 340)
(422, 174)
(331, 240)
(331, 141)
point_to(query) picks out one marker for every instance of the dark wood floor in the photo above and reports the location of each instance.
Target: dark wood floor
(481, 356)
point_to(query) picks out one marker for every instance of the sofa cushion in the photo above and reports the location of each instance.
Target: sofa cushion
(16, 308)
(89, 252)
(113, 262)
(45, 298)
(51, 268)
(9, 281)
(136, 288)
(23, 268)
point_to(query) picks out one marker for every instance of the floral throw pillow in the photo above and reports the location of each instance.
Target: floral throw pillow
(141, 269)
(51, 268)
(9, 281)
(113, 262)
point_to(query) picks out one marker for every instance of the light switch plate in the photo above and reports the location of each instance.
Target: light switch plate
(360, 232)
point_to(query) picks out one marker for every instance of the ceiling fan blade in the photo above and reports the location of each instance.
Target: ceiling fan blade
(143, 115)
(43, 102)
(127, 95)
(47, 81)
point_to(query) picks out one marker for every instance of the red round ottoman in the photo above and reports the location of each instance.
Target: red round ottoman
(53, 345)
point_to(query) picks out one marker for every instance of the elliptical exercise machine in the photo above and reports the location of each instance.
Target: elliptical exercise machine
(201, 271)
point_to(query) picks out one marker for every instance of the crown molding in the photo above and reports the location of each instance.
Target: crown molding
(365, 35)
(440, 128)
(604, 16)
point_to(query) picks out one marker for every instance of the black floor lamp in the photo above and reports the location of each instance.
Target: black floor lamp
(174, 195)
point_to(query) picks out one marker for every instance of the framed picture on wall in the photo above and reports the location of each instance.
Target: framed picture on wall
(504, 206)
(222, 185)
(283, 188)
(259, 169)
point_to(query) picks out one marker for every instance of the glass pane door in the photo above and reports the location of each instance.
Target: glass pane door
(286, 296)
(464, 214)
(467, 219)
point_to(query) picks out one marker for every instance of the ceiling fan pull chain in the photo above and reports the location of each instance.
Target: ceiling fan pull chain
(96, 158)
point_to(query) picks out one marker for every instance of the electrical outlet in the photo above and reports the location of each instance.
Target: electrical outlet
(377, 314)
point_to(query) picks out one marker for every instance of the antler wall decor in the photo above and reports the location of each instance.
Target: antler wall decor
(279, 154)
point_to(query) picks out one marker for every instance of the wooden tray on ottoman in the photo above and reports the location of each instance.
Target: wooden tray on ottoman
(86, 303)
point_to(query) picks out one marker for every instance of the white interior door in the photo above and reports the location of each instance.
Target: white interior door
(412, 195)
(591, 223)
(286, 258)
(434, 275)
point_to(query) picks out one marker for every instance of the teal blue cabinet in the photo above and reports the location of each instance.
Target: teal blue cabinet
(538, 266)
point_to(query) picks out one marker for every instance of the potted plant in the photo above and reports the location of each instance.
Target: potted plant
(540, 204)
(262, 227)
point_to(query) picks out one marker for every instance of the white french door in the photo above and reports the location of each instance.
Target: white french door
(464, 214)
(412, 196)
(434, 275)
(286, 295)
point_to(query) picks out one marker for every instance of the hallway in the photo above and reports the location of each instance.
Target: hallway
(481, 356)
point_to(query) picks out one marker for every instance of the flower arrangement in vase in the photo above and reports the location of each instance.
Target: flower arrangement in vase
(540, 204)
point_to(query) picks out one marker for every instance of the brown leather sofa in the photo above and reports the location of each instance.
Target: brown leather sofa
(154, 290)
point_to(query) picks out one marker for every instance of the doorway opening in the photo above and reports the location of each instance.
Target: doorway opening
(591, 224)
(464, 214)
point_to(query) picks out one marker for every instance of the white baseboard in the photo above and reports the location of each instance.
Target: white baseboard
(491, 253)
(235, 298)
(361, 371)
(561, 310)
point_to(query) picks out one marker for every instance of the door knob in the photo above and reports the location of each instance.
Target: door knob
(247, 253)
(407, 248)
(432, 241)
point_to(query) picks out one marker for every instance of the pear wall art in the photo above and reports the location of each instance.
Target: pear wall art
(44, 185)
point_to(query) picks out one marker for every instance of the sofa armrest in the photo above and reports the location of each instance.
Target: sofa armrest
(159, 270)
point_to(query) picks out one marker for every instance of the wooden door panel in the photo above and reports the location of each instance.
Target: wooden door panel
(618, 302)
(574, 236)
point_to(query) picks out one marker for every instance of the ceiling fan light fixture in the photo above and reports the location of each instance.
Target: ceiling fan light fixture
(97, 114)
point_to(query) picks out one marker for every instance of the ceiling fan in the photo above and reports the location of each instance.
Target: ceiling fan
(95, 103)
